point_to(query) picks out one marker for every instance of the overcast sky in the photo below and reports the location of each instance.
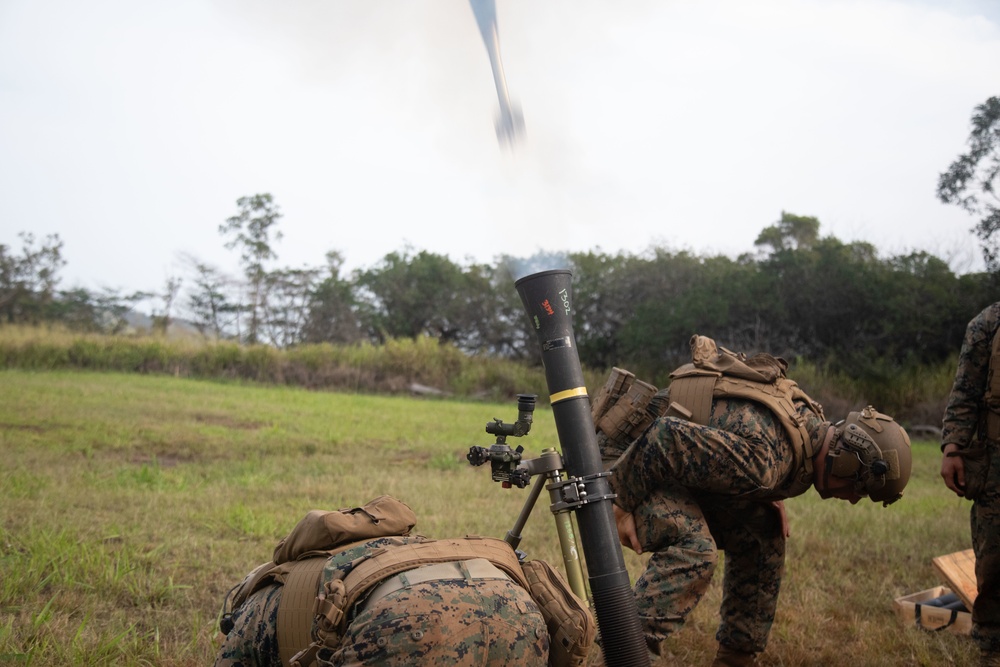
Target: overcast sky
(131, 128)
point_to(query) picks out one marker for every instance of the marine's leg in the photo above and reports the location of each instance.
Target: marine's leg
(253, 641)
(671, 526)
(985, 522)
(752, 537)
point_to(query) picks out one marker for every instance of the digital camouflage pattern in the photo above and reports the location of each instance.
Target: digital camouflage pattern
(961, 425)
(253, 642)
(965, 402)
(695, 490)
(441, 622)
(743, 452)
(684, 532)
(985, 524)
(453, 622)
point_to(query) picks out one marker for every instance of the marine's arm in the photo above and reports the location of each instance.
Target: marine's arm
(962, 413)
(625, 522)
(646, 464)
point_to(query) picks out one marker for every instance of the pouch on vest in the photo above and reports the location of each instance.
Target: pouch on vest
(571, 626)
(624, 408)
(323, 531)
(763, 367)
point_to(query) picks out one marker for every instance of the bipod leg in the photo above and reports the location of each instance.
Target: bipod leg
(567, 542)
(513, 537)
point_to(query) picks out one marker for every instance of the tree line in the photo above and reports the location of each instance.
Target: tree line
(797, 293)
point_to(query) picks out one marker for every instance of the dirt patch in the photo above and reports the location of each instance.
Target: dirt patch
(408, 456)
(160, 460)
(31, 428)
(228, 421)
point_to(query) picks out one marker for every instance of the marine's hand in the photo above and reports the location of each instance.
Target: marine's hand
(953, 470)
(786, 528)
(625, 523)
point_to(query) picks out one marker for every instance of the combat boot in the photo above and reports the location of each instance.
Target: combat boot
(730, 657)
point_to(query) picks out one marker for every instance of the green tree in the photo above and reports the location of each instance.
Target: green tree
(251, 232)
(972, 179)
(213, 312)
(332, 316)
(162, 317)
(508, 332)
(286, 310)
(675, 295)
(600, 306)
(28, 280)
(105, 311)
(791, 232)
(425, 294)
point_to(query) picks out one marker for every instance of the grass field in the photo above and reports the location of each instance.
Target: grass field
(130, 504)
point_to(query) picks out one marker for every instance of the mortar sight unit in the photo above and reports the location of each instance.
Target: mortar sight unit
(504, 461)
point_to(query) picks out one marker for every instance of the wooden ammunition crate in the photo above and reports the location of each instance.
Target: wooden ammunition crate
(914, 614)
(958, 572)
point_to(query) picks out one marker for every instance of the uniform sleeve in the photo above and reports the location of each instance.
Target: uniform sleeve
(651, 460)
(749, 463)
(965, 401)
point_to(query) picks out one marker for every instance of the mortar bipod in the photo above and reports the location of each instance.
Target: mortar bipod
(508, 468)
(549, 468)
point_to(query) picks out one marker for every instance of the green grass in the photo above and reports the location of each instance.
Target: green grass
(131, 503)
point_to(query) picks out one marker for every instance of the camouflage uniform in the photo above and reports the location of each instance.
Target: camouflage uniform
(439, 622)
(962, 425)
(696, 489)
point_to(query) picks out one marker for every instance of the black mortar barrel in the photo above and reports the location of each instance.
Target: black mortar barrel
(547, 299)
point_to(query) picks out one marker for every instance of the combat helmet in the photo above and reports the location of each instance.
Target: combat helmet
(873, 450)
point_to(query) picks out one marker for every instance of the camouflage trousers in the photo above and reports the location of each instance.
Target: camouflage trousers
(439, 623)
(985, 521)
(684, 533)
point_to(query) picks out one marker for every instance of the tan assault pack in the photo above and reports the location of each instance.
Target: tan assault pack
(300, 559)
(714, 372)
(321, 533)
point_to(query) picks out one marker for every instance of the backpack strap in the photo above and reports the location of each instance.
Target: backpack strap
(295, 608)
(300, 581)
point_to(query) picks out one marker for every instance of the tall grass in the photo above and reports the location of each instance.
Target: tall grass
(130, 504)
(398, 366)
(914, 395)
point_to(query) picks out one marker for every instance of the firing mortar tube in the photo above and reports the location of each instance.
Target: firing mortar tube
(547, 298)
